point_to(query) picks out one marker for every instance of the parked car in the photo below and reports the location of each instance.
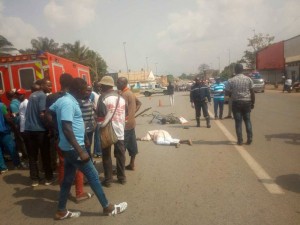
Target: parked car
(259, 85)
(156, 89)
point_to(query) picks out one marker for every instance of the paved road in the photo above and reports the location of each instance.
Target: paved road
(212, 182)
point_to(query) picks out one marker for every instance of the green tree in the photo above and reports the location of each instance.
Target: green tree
(83, 55)
(97, 65)
(170, 78)
(45, 44)
(6, 47)
(183, 76)
(228, 71)
(76, 52)
(256, 43)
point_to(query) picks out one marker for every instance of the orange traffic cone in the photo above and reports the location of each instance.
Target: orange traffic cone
(159, 103)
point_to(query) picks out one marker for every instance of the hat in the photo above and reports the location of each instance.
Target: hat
(21, 91)
(107, 80)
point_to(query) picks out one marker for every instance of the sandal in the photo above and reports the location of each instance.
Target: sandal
(129, 167)
(84, 196)
(112, 210)
(67, 215)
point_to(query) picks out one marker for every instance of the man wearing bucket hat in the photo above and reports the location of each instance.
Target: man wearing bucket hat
(109, 102)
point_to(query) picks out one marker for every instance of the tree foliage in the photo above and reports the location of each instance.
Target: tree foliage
(203, 67)
(76, 52)
(256, 43)
(44, 44)
(6, 47)
(228, 71)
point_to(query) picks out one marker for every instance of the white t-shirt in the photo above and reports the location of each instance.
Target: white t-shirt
(160, 137)
(118, 121)
(22, 111)
(288, 82)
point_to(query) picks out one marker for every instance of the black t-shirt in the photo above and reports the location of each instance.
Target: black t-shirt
(53, 97)
(170, 89)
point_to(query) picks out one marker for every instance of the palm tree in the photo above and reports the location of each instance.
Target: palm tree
(97, 65)
(76, 52)
(45, 44)
(6, 47)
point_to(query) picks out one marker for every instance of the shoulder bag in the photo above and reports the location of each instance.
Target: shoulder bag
(107, 134)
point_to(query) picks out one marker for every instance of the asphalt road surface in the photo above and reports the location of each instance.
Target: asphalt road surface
(213, 182)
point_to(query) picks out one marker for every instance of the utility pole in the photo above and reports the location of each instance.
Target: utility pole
(229, 60)
(124, 43)
(147, 63)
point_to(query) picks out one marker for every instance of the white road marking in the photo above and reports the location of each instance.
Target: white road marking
(262, 175)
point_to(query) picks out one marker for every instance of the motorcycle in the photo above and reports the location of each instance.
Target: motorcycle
(288, 88)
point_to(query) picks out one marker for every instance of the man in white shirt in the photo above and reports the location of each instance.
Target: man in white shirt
(109, 102)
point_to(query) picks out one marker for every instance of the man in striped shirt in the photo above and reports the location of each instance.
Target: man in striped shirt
(87, 109)
(218, 90)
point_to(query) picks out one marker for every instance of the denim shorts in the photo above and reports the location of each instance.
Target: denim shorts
(130, 142)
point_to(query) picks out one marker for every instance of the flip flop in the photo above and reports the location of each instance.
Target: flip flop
(84, 197)
(68, 215)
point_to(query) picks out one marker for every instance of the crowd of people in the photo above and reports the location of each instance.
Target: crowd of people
(240, 90)
(61, 132)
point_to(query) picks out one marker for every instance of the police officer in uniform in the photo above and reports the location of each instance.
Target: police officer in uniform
(199, 97)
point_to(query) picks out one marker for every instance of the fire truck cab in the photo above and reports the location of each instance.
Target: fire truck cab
(21, 71)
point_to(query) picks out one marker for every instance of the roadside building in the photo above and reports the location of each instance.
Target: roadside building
(292, 58)
(270, 62)
(278, 59)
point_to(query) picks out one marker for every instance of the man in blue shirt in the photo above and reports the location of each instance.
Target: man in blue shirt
(218, 90)
(72, 143)
(35, 130)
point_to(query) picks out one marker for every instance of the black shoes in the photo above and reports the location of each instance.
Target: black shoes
(106, 184)
(247, 143)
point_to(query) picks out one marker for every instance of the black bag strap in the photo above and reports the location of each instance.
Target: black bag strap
(115, 109)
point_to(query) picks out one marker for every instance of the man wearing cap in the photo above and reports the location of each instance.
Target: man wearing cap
(109, 102)
(14, 103)
(20, 93)
(240, 87)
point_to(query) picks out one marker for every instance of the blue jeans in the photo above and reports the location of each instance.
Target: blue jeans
(218, 103)
(7, 143)
(241, 111)
(71, 164)
(97, 141)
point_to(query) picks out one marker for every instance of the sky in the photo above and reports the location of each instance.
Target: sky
(165, 36)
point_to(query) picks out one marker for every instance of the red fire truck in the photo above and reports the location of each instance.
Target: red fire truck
(21, 71)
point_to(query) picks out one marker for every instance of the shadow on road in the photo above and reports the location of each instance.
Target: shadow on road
(37, 208)
(289, 182)
(17, 178)
(48, 194)
(290, 138)
(202, 142)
